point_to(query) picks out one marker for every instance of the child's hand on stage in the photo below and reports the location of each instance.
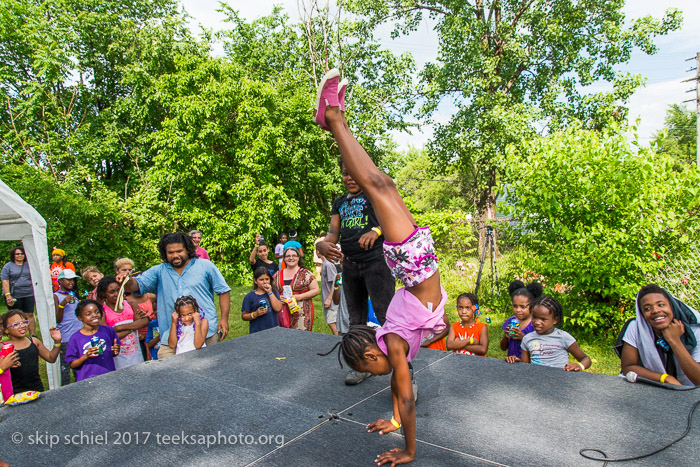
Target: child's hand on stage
(512, 359)
(572, 367)
(395, 456)
(671, 380)
(384, 427)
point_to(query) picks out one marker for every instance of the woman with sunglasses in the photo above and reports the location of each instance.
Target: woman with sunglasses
(17, 285)
(24, 361)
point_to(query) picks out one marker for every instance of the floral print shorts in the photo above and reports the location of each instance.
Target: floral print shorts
(413, 260)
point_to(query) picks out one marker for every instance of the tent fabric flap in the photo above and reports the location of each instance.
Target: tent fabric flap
(20, 221)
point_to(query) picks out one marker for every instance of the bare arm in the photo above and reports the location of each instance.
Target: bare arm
(580, 357)
(201, 327)
(525, 358)
(131, 286)
(313, 291)
(59, 310)
(225, 305)
(403, 391)
(327, 247)
(253, 254)
(172, 337)
(504, 342)
(49, 355)
(690, 367)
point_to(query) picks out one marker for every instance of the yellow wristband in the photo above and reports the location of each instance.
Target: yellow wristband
(3, 371)
(7, 293)
(583, 367)
(663, 377)
(395, 423)
(252, 315)
(471, 340)
(378, 231)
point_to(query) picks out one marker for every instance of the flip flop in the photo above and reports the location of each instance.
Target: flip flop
(342, 87)
(326, 96)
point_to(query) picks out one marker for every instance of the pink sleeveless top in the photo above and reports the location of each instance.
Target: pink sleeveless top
(408, 318)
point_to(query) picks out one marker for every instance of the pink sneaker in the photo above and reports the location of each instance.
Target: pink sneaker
(327, 96)
(342, 87)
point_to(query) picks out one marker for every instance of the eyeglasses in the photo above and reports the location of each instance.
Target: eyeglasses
(291, 256)
(18, 324)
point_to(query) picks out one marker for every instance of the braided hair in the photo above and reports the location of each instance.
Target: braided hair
(187, 300)
(471, 297)
(353, 345)
(552, 305)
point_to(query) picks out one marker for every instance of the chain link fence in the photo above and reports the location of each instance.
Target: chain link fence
(680, 275)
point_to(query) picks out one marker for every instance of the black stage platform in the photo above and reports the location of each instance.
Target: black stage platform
(267, 399)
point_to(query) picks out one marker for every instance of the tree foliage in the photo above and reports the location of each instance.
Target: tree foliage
(119, 126)
(595, 213)
(679, 135)
(427, 191)
(512, 66)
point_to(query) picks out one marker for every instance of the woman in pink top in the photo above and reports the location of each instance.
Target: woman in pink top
(121, 317)
(196, 237)
(417, 312)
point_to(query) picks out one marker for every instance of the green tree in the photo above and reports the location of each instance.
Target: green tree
(272, 48)
(427, 191)
(237, 156)
(75, 113)
(594, 212)
(63, 69)
(511, 64)
(679, 136)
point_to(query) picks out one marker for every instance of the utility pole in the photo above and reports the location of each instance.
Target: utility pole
(696, 68)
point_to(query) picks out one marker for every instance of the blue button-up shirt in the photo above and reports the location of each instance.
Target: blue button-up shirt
(200, 278)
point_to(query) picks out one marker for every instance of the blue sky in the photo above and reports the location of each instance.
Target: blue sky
(663, 71)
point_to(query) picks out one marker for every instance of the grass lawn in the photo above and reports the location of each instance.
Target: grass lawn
(599, 350)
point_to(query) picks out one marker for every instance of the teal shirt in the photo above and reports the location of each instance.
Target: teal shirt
(200, 278)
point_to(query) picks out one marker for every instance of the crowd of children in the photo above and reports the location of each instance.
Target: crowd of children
(108, 331)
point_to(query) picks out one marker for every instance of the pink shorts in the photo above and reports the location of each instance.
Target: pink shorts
(413, 260)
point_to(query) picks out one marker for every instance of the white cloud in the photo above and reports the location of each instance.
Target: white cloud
(649, 104)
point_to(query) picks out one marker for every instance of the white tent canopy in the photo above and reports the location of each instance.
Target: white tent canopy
(20, 221)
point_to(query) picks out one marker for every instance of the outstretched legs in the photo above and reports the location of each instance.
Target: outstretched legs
(395, 219)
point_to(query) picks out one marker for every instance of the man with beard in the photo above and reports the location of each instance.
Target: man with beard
(181, 273)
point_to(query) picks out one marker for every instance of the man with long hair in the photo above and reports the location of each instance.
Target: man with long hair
(181, 273)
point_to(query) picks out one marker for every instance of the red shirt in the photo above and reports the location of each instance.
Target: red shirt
(464, 333)
(56, 269)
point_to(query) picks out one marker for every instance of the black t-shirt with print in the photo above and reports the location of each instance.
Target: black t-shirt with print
(273, 267)
(357, 217)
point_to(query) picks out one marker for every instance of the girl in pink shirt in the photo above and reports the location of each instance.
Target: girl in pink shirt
(416, 313)
(121, 317)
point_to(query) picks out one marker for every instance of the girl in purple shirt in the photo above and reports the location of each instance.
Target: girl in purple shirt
(520, 323)
(91, 350)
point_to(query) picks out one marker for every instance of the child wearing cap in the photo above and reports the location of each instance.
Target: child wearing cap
(58, 265)
(65, 302)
